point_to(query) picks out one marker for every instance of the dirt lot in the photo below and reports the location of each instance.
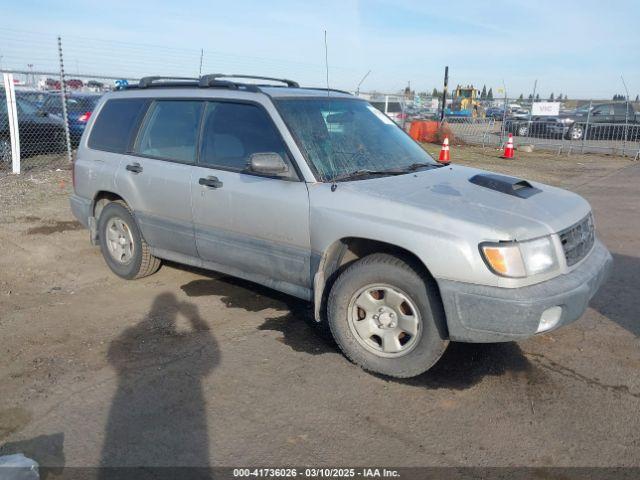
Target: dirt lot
(190, 368)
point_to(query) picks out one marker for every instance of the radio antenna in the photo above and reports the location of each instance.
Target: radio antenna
(326, 60)
(334, 185)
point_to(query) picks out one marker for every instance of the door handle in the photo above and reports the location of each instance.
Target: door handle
(211, 182)
(134, 167)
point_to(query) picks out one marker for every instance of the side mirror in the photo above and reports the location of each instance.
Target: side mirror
(41, 113)
(269, 163)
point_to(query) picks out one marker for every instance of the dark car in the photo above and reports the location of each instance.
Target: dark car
(39, 132)
(534, 127)
(79, 109)
(602, 121)
(36, 97)
(495, 112)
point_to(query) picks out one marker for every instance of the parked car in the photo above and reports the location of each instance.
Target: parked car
(393, 108)
(605, 121)
(39, 133)
(317, 194)
(79, 109)
(495, 112)
(534, 127)
(36, 97)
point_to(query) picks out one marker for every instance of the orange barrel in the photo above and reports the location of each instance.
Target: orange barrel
(424, 131)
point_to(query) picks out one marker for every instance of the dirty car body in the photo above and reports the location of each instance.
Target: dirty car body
(317, 194)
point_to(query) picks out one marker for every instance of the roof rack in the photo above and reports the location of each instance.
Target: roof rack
(146, 82)
(213, 80)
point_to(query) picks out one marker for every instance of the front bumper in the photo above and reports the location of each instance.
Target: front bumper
(478, 313)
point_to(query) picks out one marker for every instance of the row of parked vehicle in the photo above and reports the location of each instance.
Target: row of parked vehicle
(602, 121)
(40, 123)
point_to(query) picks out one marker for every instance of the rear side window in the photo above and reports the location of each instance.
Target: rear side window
(233, 132)
(113, 129)
(170, 130)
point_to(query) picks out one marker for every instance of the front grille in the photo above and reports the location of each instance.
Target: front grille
(577, 240)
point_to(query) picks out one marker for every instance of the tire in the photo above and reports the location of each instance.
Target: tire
(576, 132)
(522, 131)
(123, 248)
(395, 280)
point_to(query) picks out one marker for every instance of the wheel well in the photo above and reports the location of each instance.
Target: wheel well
(101, 199)
(348, 250)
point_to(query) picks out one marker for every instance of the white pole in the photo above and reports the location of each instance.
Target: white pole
(12, 114)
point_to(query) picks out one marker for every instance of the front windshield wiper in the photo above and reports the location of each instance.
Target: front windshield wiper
(415, 166)
(360, 173)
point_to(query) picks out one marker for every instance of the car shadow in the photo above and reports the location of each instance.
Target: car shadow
(462, 365)
(158, 415)
(619, 298)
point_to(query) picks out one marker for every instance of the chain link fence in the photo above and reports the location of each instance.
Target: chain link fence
(585, 126)
(48, 123)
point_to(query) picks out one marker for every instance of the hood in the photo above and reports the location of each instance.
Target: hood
(501, 206)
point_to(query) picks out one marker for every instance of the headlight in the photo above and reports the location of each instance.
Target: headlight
(520, 259)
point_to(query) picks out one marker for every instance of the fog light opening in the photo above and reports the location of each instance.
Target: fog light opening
(549, 319)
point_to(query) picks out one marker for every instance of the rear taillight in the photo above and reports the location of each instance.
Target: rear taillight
(84, 117)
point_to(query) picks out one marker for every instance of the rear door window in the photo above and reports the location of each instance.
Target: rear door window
(170, 130)
(115, 125)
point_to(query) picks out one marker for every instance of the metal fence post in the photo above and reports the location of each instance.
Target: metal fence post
(586, 127)
(12, 116)
(63, 92)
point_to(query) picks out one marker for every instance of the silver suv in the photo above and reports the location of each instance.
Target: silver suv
(317, 194)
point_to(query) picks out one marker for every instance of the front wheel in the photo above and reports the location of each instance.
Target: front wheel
(385, 316)
(123, 248)
(522, 131)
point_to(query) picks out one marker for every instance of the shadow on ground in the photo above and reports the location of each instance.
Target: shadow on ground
(462, 366)
(157, 416)
(619, 298)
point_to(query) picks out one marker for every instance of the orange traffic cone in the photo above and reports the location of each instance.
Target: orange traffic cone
(508, 148)
(444, 152)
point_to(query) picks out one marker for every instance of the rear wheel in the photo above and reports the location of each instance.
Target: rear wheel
(384, 315)
(576, 132)
(123, 248)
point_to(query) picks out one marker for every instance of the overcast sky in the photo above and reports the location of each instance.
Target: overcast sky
(579, 48)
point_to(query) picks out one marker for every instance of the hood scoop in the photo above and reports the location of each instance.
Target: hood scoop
(504, 184)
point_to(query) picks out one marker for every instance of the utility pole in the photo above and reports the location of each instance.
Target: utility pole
(533, 99)
(444, 92)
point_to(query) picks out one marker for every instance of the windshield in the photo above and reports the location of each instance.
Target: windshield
(340, 136)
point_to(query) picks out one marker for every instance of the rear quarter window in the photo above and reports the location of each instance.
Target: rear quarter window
(114, 128)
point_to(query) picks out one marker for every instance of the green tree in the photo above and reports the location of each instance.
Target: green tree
(490, 94)
(537, 97)
(521, 97)
(637, 98)
(551, 97)
(530, 97)
(483, 94)
(559, 97)
(435, 93)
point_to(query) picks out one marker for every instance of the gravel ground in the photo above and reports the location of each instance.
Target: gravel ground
(192, 368)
